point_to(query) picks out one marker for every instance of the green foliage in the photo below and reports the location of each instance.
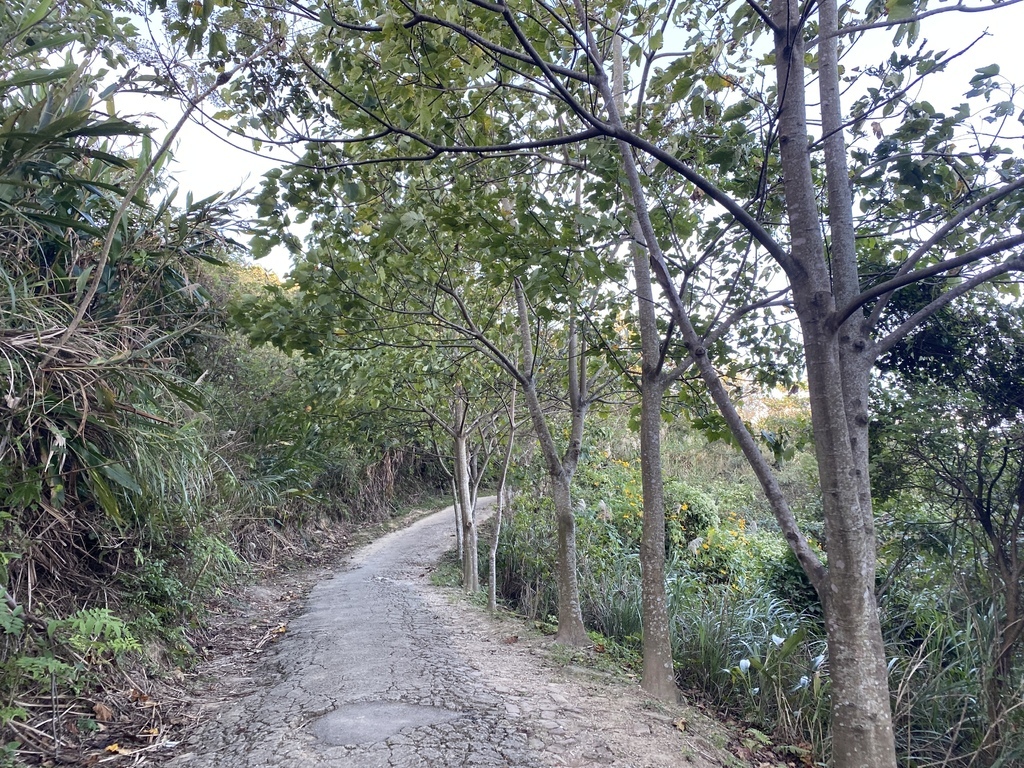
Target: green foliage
(94, 634)
(525, 569)
(147, 450)
(785, 687)
(751, 639)
(610, 487)
(72, 654)
(783, 575)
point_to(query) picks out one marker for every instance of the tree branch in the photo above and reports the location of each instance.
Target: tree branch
(1013, 264)
(941, 233)
(764, 16)
(783, 513)
(842, 315)
(961, 8)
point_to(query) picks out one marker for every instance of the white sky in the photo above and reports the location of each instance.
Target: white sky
(204, 165)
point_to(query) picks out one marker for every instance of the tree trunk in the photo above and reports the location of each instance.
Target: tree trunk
(492, 559)
(862, 733)
(560, 471)
(658, 677)
(458, 517)
(470, 570)
(492, 574)
(571, 630)
(470, 561)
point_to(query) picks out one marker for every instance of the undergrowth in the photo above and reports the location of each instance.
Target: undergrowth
(747, 628)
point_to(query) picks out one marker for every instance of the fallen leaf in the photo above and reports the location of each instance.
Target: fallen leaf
(680, 723)
(103, 713)
(115, 748)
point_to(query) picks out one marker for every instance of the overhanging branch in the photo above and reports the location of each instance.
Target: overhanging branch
(842, 315)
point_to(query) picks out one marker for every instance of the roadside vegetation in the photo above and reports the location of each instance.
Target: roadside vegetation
(149, 455)
(747, 626)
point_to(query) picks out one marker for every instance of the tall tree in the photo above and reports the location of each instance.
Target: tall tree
(387, 83)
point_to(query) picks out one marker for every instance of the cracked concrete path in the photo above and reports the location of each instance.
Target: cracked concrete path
(383, 669)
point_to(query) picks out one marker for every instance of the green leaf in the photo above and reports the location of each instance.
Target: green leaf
(739, 109)
(36, 14)
(82, 280)
(112, 127)
(218, 45)
(900, 9)
(103, 494)
(37, 77)
(984, 73)
(63, 222)
(119, 474)
(792, 642)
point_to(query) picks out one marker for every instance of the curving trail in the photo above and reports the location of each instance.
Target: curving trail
(384, 670)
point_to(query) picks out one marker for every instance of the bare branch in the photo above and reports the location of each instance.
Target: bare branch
(960, 8)
(764, 16)
(1010, 265)
(945, 230)
(842, 315)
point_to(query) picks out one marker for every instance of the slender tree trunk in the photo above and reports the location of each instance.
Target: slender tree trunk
(470, 567)
(658, 677)
(492, 560)
(492, 580)
(458, 517)
(571, 630)
(470, 573)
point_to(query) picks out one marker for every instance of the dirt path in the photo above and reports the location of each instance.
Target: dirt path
(384, 669)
